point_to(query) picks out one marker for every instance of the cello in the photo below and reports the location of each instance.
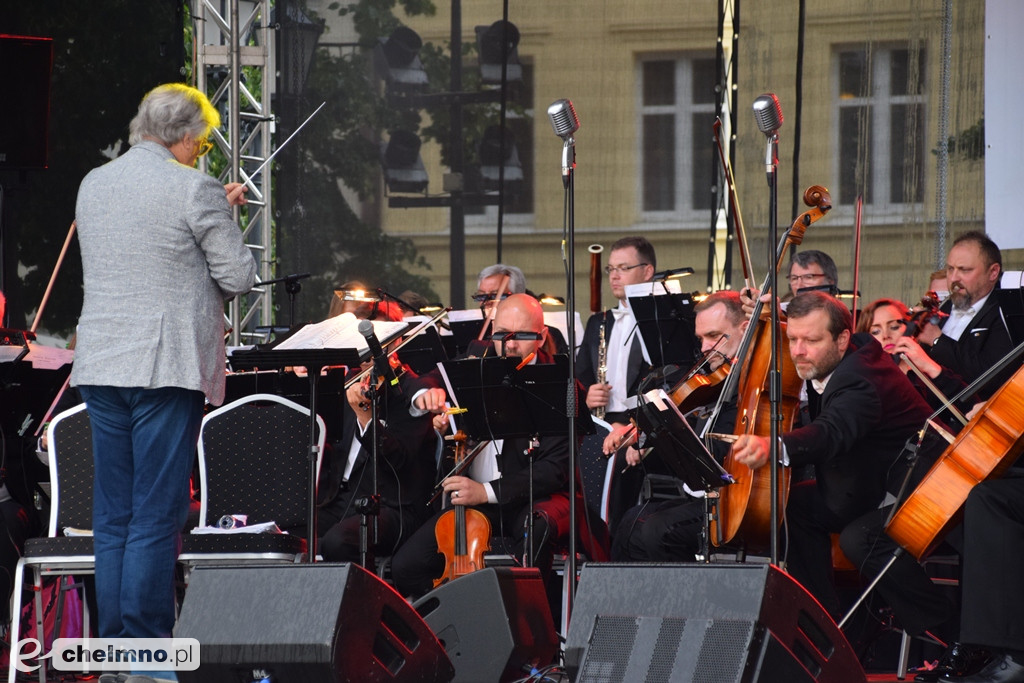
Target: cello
(984, 449)
(463, 535)
(745, 506)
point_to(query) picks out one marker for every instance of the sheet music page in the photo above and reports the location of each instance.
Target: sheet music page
(48, 357)
(341, 332)
(461, 316)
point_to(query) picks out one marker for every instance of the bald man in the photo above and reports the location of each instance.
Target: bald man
(498, 481)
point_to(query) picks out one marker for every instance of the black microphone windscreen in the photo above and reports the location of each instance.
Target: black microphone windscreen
(768, 113)
(563, 118)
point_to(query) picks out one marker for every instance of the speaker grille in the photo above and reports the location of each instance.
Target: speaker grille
(723, 652)
(665, 650)
(610, 649)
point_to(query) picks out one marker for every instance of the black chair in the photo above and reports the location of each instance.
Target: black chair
(254, 460)
(71, 475)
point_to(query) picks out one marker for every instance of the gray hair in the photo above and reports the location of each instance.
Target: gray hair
(516, 279)
(171, 111)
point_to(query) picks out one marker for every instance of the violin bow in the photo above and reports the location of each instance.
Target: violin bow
(53, 277)
(856, 255)
(734, 207)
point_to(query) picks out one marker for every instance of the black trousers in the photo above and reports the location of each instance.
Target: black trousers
(993, 591)
(918, 604)
(418, 562)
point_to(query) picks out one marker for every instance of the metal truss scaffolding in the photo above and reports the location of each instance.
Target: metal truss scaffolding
(234, 67)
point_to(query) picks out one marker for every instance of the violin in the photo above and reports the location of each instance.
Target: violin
(698, 389)
(927, 312)
(463, 535)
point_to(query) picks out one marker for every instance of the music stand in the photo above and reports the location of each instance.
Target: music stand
(665, 319)
(683, 452)
(314, 360)
(28, 388)
(503, 400)
(1011, 301)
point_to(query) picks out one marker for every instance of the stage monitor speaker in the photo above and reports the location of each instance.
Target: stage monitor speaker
(25, 64)
(305, 622)
(495, 624)
(702, 622)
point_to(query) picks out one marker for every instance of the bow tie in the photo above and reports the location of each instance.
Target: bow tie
(619, 313)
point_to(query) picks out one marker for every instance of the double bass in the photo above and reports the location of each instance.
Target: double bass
(984, 449)
(744, 508)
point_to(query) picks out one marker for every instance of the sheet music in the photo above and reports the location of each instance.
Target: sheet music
(48, 357)
(341, 332)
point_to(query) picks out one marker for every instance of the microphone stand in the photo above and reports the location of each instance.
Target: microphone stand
(775, 390)
(292, 286)
(568, 165)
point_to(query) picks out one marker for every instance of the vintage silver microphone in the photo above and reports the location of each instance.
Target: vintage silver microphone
(565, 122)
(768, 115)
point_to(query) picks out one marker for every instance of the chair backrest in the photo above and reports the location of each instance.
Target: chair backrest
(254, 460)
(69, 442)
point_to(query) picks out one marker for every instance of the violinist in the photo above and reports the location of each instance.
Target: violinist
(498, 481)
(669, 531)
(975, 336)
(885, 320)
(405, 470)
(862, 410)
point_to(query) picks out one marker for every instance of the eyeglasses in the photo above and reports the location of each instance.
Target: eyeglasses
(204, 147)
(481, 297)
(806, 277)
(621, 269)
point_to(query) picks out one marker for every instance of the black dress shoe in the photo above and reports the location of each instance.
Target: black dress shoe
(957, 660)
(1004, 668)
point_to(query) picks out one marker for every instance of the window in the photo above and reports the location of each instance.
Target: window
(881, 126)
(677, 110)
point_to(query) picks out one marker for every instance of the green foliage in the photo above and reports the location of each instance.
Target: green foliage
(968, 144)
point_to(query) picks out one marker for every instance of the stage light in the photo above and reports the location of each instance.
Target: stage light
(403, 167)
(396, 60)
(551, 300)
(491, 159)
(489, 42)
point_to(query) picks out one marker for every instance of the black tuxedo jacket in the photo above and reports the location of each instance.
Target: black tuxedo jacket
(586, 359)
(858, 428)
(983, 344)
(406, 464)
(551, 459)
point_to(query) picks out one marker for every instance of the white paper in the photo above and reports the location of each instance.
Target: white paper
(341, 332)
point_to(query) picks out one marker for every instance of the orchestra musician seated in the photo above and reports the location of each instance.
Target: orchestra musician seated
(498, 481)
(670, 530)
(862, 410)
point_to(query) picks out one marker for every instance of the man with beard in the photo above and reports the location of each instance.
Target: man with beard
(862, 410)
(975, 335)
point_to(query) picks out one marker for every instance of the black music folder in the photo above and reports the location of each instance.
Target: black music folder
(503, 400)
(665, 320)
(31, 379)
(679, 447)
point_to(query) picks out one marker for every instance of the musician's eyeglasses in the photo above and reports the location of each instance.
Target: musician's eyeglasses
(481, 297)
(621, 269)
(806, 277)
(204, 146)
